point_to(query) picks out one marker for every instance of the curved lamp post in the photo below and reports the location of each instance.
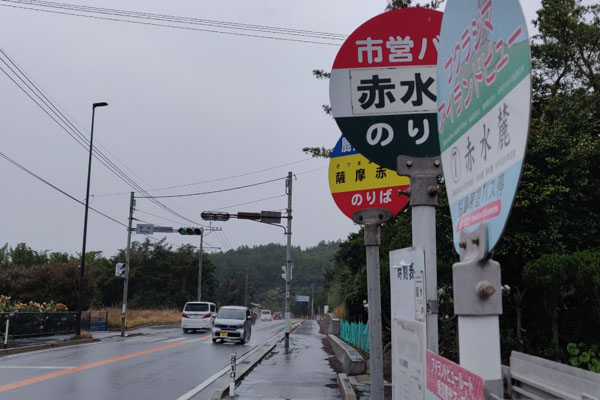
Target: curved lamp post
(85, 219)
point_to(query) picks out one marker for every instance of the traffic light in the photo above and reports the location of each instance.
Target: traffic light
(190, 231)
(215, 216)
(283, 269)
(121, 270)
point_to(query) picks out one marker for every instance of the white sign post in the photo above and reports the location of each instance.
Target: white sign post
(484, 91)
(409, 338)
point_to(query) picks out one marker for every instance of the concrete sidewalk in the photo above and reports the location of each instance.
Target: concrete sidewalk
(303, 372)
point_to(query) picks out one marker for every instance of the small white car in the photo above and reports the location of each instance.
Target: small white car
(265, 315)
(198, 315)
(233, 324)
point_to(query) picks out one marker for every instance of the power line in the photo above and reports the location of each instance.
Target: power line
(165, 218)
(157, 17)
(214, 191)
(191, 20)
(213, 180)
(32, 89)
(248, 202)
(7, 158)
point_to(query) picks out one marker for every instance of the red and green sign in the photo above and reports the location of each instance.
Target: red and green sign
(357, 184)
(383, 86)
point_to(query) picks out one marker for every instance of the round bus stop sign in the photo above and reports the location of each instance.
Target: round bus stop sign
(484, 92)
(383, 86)
(357, 184)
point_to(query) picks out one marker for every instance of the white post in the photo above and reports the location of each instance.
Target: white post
(6, 334)
(232, 375)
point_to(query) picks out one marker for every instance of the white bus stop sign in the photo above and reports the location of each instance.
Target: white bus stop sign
(484, 92)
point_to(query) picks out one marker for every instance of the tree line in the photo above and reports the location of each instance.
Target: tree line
(161, 276)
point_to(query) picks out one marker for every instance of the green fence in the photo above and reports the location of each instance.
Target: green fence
(355, 333)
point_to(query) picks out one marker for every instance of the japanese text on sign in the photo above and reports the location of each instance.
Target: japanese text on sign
(449, 381)
(474, 62)
(393, 90)
(394, 49)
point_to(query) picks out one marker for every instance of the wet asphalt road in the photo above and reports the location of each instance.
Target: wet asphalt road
(160, 364)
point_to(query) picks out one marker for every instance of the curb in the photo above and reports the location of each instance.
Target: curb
(26, 349)
(255, 360)
(345, 387)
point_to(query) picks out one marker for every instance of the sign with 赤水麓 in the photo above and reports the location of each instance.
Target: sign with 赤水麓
(484, 92)
(383, 86)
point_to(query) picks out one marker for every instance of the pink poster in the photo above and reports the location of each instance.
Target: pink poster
(450, 381)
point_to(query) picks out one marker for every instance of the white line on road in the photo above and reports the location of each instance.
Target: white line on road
(177, 340)
(216, 376)
(32, 367)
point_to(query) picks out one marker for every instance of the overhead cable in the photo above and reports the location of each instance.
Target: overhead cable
(38, 96)
(15, 163)
(214, 191)
(141, 18)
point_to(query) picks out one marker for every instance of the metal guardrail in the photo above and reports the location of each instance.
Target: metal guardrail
(531, 377)
(33, 324)
(355, 333)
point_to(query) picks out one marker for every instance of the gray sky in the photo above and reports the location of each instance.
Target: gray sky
(185, 107)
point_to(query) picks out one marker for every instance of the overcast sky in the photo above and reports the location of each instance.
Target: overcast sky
(192, 108)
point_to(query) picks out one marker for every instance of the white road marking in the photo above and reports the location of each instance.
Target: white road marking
(32, 367)
(176, 340)
(213, 378)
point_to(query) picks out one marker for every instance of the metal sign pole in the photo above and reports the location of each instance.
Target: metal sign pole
(288, 263)
(423, 173)
(478, 304)
(372, 219)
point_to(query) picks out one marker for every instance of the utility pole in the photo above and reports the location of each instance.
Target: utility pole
(312, 301)
(209, 229)
(246, 290)
(200, 265)
(127, 259)
(288, 265)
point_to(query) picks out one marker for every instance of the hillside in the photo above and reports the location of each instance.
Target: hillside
(262, 264)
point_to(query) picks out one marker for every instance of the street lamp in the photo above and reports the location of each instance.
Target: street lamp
(85, 218)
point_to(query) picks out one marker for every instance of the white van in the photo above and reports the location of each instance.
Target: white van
(198, 315)
(265, 315)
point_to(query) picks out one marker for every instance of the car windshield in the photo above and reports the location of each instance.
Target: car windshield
(231, 313)
(196, 307)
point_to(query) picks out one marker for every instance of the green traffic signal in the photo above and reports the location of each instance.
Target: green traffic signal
(190, 231)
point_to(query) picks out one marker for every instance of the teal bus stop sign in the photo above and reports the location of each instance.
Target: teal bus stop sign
(484, 94)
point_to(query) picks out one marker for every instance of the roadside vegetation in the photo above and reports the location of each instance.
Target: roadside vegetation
(137, 318)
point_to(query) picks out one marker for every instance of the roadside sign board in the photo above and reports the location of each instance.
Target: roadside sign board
(144, 229)
(483, 99)
(302, 299)
(408, 311)
(382, 87)
(163, 229)
(357, 184)
(448, 380)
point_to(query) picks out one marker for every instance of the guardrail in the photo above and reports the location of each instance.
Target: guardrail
(531, 377)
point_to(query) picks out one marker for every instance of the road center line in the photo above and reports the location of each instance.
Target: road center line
(41, 378)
